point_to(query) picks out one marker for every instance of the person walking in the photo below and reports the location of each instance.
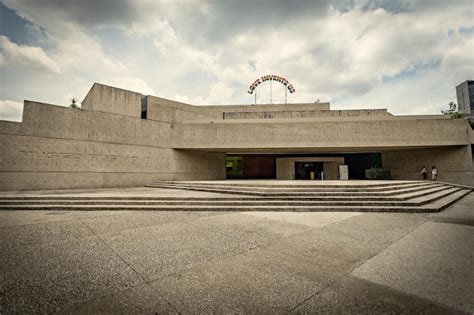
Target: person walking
(424, 172)
(434, 173)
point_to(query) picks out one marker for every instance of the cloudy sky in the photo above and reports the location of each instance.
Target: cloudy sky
(404, 55)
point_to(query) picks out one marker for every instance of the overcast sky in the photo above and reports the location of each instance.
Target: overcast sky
(406, 56)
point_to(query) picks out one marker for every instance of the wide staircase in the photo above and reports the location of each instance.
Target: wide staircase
(394, 196)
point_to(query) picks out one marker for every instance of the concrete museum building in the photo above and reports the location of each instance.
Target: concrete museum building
(123, 138)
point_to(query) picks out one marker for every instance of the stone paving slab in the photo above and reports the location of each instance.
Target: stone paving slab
(42, 233)
(40, 278)
(434, 262)
(372, 232)
(254, 282)
(352, 295)
(272, 262)
(158, 251)
(247, 228)
(127, 220)
(462, 213)
(25, 217)
(317, 219)
(141, 299)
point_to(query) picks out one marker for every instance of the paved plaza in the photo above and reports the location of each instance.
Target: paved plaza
(235, 262)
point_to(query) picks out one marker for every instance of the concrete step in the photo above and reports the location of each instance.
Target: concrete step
(314, 192)
(415, 198)
(443, 203)
(401, 197)
(438, 203)
(296, 188)
(300, 184)
(118, 199)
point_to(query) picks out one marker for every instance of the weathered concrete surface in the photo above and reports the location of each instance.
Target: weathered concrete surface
(58, 147)
(305, 114)
(109, 99)
(406, 163)
(370, 133)
(191, 262)
(106, 143)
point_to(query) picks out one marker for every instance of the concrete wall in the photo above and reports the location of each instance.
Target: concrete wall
(454, 164)
(196, 165)
(305, 114)
(269, 107)
(59, 147)
(328, 136)
(164, 110)
(112, 100)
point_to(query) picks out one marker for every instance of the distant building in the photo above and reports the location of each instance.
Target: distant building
(465, 95)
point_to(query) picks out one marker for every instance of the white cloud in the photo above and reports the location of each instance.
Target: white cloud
(366, 53)
(10, 110)
(20, 56)
(133, 84)
(403, 96)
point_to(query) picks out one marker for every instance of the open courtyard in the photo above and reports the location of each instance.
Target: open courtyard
(234, 262)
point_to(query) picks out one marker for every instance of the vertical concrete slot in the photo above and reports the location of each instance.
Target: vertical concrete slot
(144, 106)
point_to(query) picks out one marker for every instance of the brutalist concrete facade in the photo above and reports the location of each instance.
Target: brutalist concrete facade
(110, 143)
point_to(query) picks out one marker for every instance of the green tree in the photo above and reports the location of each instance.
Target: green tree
(453, 111)
(74, 103)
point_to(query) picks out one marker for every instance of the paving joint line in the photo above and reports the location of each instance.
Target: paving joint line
(129, 266)
(331, 283)
(245, 251)
(127, 212)
(449, 307)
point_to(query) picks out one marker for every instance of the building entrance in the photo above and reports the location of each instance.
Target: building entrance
(300, 166)
(309, 170)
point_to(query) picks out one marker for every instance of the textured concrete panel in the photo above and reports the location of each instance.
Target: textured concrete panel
(45, 120)
(35, 154)
(109, 99)
(269, 107)
(305, 114)
(190, 165)
(305, 134)
(72, 180)
(454, 164)
(161, 109)
(34, 162)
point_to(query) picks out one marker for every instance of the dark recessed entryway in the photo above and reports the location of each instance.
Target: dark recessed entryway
(308, 170)
(263, 166)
